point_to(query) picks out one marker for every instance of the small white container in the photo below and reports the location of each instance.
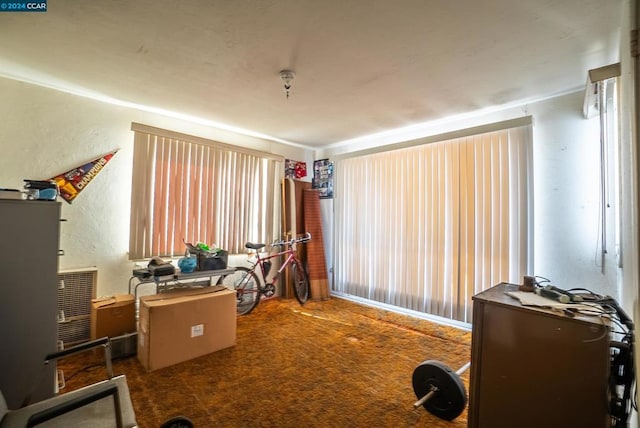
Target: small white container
(12, 194)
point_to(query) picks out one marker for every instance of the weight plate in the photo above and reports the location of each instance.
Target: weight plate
(178, 422)
(450, 398)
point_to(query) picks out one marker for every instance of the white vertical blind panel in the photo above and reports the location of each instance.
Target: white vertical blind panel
(198, 192)
(427, 227)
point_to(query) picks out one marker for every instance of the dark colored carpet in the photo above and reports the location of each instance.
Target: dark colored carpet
(331, 363)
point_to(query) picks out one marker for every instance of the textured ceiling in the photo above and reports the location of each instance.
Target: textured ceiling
(361, 66)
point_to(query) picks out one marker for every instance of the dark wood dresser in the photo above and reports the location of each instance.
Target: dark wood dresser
(534, 367)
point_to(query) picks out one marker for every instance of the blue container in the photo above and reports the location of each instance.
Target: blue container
(48, 194)
(187, 264)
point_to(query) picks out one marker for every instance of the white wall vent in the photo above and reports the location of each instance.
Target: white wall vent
(76, 288)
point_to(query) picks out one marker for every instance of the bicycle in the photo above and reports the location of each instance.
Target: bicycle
(249, 288)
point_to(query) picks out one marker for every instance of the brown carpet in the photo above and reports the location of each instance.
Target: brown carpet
(331, 363)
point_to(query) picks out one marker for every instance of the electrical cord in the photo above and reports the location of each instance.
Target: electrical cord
(85, 369)
(544, 280)
(622, 388)
(622, 385)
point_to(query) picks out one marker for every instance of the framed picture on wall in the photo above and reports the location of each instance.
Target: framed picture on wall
(295, 169)
(323, 177)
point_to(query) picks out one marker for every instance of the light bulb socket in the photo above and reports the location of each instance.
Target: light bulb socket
(287, 76)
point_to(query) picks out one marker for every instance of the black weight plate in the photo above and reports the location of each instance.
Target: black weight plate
(450, 399)
(178, 422)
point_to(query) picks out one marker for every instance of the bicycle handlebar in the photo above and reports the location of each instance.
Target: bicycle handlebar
(302, 240)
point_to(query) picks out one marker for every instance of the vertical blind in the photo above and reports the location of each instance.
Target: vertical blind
(199, 191)
(426, 227)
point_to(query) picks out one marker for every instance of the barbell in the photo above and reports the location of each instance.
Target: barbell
(439, 389)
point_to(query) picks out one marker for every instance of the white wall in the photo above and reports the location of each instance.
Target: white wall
(629, 156)
(566, 180)
(567, 197)
(44, 132)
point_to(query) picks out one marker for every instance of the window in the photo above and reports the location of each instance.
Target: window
(428, 226)
(601, 104)
(610, 251)
(188, 189)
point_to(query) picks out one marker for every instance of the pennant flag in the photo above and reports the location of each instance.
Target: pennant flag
(72, 182)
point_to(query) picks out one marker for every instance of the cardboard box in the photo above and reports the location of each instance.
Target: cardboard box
(113, 316)
(180, 325)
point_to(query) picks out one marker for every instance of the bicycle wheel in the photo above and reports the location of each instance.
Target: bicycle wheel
(300, 282)
(246, 284)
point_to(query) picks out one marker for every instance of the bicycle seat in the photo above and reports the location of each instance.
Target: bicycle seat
(253, 246)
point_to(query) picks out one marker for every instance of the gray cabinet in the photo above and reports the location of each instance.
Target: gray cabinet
(29, 245)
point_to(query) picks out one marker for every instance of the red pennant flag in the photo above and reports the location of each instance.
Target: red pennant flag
(72, 182)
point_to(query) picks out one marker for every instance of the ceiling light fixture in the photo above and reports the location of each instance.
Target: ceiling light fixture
(287, 76)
